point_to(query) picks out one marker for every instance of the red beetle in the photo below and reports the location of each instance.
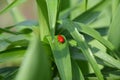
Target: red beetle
(61, 39)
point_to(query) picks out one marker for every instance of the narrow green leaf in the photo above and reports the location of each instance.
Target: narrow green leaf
(81, 7)
(93, 33)
(91, 14)
(52, 6)
(100, 56)
(66, 13)
(43, 18)
(21, 27)
(63, 6)
(11, 5)
(83, 46)
(8, 31)
(62, 57)
(35, 64)
(76, 8)
(114, 32)
(77, 73)
(13, 41)
(103, 20)
(109, 59)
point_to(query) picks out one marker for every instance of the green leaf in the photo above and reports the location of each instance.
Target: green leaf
(92, 3)
(11, 5)
(8, 31)
(35, 65)
(13, 41)
(93, 33)
(103, 20)
(83, 47)
(115, 5)
(72, 10)
(3, 45)
(11, 57)
(113, 35)
(43, 18)
(81, 8)
(107, 58)
(100, 56)
(62, 57)
(91, 14)
(77, 73)
(64, 5)
(52, 6)
(23, 27)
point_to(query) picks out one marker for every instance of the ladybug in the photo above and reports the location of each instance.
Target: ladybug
(61, 39)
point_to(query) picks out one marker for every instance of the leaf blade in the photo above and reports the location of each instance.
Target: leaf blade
(113, 36)
(83, 47)
(62, 58)
(35, 65)
(52, 6)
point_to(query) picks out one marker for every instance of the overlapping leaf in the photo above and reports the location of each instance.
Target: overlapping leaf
(83, 46)
(52, 7)
(35, 65)
(62, 58)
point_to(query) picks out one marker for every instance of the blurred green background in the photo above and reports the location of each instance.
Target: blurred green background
(28, 10)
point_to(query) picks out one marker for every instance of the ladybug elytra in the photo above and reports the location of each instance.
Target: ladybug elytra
(61, 39)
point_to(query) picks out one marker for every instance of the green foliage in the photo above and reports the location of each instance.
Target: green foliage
(90, 51)
(52, 6)
(71, 27)
(43, 18)
(37, 54)
(62, 57)
(114, 29)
